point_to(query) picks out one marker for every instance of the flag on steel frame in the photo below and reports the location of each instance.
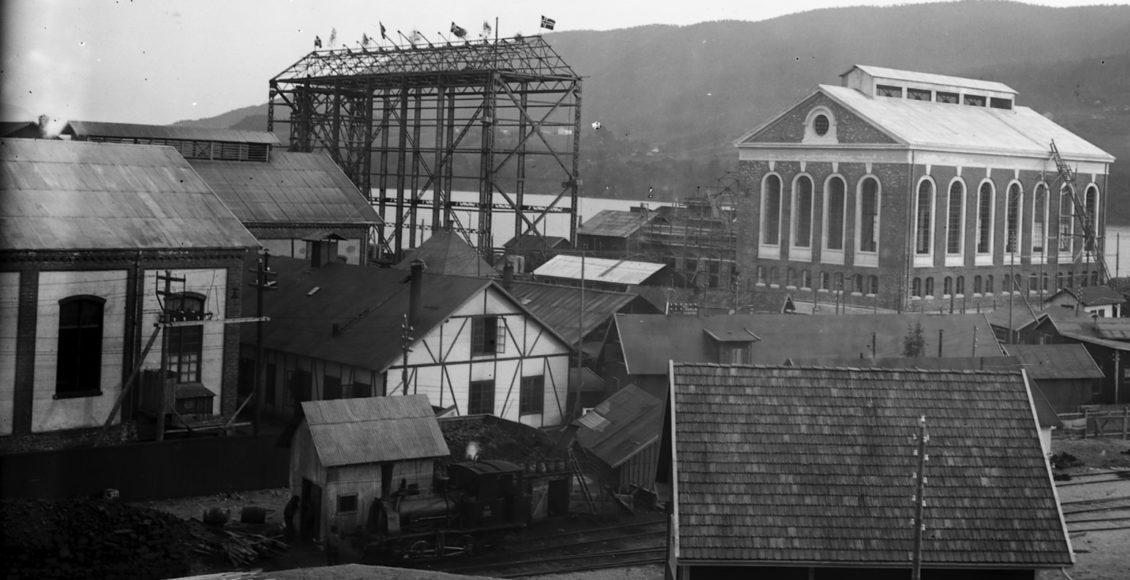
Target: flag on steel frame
(458, 30)
(547, 23)
(382, 30)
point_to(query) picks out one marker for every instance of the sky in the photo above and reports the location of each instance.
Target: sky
(161, 61)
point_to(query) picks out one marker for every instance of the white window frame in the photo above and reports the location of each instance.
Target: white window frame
(867, 258)
(985, 258)
(1040, 257)
(765, 249)
(810, 135)
(1019, 219)
(956, 258)
(801, 253)
(1065, 256)
(925, 260)
(827, 255)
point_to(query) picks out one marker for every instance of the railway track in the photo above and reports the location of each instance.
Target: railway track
(1096, 514)
(589, 560)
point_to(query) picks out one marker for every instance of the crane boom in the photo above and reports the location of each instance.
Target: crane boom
(1091, 243)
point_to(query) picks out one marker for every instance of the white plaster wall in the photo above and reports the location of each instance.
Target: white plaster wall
(49, 413)
(213, 284)
(9, 309)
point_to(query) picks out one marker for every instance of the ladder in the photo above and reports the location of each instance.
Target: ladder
(1090, 239)
(580, 476)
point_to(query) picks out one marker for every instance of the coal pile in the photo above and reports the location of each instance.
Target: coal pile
(91, 538)
(498, 439)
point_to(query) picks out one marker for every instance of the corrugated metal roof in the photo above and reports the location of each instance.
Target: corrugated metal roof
(613, 223)
(1055, 361)
(815, 465)
(1094, 295)
(533, 243)
(367, 303)
(930, 125)
(560, 306)
(649, 341)
(933, 79)
(292, 188)
(69, 195)
(374, 429)
(1106, 332)
(88, 129)
(598, 269)
(622, 425)
(448, 253)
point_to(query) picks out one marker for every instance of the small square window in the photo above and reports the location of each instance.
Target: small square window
(346, 503)
(1000, 103)
(975, 100)
(943, 97)
(919, 94)
(888, 91)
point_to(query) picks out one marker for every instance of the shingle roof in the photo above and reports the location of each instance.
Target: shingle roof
(598, 269)
(1055, 361)
(801, 465)
(65, 195)
(613, 224)
(374, 429)
(621, 426)
(295, 189)
(648, 341)
(367, 303)
(560, 306)
(447, 253)
(83, 129)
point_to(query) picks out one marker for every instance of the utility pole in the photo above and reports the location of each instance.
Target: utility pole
(164, 318)
(264, 280)
(919, 498)
(405, 347)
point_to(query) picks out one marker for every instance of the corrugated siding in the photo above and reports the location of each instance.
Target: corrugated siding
(62, 195)
(794, 464)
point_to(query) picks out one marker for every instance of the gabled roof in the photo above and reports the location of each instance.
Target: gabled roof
(613, 224)
(87, 129)
(374, 429)
(1113, 333)
(69, 195)
(598, 269)
(560, 306)
(1055, 361)
(931, 78)
(814, 466)
(366, 305)
(649, 341)
(299, 190)
(621, 426)
(1090, 295)
(1019, 318)
(447, 253)
(533, 242)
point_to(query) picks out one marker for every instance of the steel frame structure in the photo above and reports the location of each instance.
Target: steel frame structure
(408, 122)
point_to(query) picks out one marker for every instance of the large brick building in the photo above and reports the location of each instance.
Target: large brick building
(914, 191)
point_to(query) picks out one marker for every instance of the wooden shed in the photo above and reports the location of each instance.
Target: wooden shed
(349, 453)
(622, 433)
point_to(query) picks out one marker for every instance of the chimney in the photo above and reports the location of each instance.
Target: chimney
(415, 291)
(507, 275)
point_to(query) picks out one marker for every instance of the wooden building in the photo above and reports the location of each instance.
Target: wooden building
(811, 473)
(1101, 301)
(98, 242)
(348, 454)
(1065, 373)
(622, 434)
(337, 331)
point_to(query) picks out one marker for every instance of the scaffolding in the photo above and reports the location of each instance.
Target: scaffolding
(409, 124)
(1092, 248)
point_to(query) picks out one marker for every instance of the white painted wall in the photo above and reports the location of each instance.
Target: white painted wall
(49, 413)
(9, 310)
(213, 284)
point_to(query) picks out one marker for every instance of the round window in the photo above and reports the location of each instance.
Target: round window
(820, 124)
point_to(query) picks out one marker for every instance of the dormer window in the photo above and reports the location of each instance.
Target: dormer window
(919, 95)
(888, 91)
(944, 97)
(975, 100)
(1000, 103)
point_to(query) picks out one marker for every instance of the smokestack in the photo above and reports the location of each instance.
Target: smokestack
(507, 275)
(415, 291)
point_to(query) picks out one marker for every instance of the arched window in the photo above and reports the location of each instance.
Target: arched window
(929, 286)
(790, 277)
(760, 275)
(977, 284)
(1059, 281)
(1012, 219)
(805, 279)
(916, 287)
(1040, 220)
(985, 218)
(868, 215)
(802, 212)
(989, 284)
(186, 343)
(872, 284)
(1085, 278)
(1044, 282)
(1017, 284)
(1091, 203)
(857, 283)
(834, 204)
(1033, 283)
(924, 221)
(960, 287)
(773, 277)
(838, 281)
(825, 281)
(955, 218)
(1066, 219)
(78, 362)
(947, 286)
(771, 211)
